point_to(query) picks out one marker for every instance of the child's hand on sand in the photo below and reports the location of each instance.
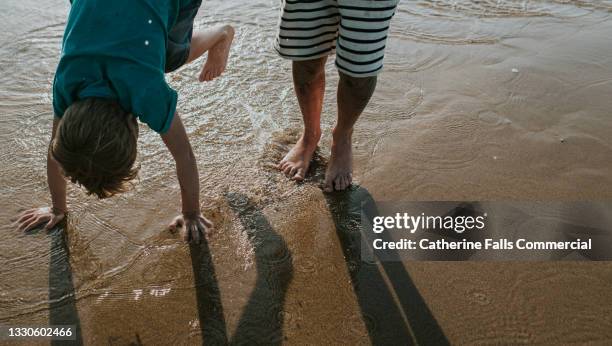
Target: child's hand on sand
(192, 226)
(33, 218)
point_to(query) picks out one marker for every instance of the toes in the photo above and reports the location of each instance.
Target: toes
(339, 183)
(287, 169)
(299, 175)
(342, 182)
(328, 185)
(345, 183)
(292, 171)
(203, 74)
(349, 180)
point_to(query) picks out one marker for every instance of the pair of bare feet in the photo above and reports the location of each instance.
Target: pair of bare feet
(295, 164)
(338, 175)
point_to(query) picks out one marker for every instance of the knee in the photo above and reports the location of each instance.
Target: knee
(358, 89)
(307, 71)
(365, 84)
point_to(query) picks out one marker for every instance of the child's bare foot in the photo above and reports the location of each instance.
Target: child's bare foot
(218, 55)
(295, 164)
(339, 174)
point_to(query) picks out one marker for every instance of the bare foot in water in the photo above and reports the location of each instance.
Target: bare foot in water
(218, 55)
(295, 164)
(339, 173)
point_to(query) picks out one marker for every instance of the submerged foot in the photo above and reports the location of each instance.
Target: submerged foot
(295, 164)
(218, 55)
(339, 173)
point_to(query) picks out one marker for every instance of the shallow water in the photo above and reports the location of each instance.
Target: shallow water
(479, 100)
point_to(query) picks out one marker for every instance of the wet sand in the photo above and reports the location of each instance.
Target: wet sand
(495, 100)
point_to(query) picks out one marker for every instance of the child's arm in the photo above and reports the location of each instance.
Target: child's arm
(191, 224)
(32, 218)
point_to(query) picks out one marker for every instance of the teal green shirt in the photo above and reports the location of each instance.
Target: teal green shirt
(117, 49)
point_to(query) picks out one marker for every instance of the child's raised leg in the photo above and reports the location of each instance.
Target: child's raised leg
(217, 42)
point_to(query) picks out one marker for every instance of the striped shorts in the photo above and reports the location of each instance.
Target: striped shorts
(356, 30)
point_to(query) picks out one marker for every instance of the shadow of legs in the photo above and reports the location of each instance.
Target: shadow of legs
(210, 310)
(262, 320)
(387, 322)
(62, 307)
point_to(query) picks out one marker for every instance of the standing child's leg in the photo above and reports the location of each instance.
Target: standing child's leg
(309, 85)
(353, 96)
(217, 42)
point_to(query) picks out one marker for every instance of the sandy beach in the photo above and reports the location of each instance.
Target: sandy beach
(478, 101)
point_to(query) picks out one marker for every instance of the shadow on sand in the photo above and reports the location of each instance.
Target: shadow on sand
(261, 322)
(388, 323)
(62, 300)
(391, 306)
(210, 310)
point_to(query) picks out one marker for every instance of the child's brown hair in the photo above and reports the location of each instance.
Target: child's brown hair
(95, 144)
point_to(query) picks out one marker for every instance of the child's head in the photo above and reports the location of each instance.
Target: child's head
(95, 144)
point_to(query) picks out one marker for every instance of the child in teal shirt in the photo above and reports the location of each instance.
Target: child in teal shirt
(111, 72)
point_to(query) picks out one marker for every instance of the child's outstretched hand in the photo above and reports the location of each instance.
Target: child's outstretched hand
(33, 218)
(192, 226)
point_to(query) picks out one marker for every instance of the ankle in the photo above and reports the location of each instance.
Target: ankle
(311, 137)
(341, 135)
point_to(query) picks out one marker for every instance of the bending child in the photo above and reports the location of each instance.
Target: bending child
(111, 72)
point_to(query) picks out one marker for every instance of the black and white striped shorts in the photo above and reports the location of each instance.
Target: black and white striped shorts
(355, 29)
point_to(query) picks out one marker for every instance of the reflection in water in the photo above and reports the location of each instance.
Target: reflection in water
(62, 306)
(409, 323)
